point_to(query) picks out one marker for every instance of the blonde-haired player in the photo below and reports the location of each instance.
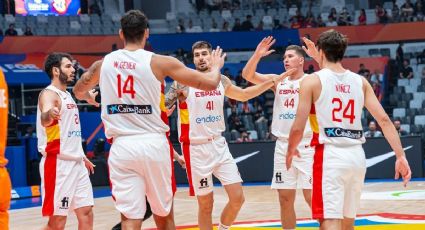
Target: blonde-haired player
(286, 181)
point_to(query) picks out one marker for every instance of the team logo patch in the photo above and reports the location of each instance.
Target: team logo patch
(340, 132)
(278, 177)
(64, 203)
(124, 108)
(203, 183)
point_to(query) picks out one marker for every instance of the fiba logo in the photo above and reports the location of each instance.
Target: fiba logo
(3, 103)
(203, 183)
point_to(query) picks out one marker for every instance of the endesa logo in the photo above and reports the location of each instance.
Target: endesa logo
(340, 132)
(208, 119)
(287, 116)
(124, 108)
(76, 133)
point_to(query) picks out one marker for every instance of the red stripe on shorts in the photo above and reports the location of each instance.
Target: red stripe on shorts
(49, 184)
(186, 154)
(317, 197)
(173, 179)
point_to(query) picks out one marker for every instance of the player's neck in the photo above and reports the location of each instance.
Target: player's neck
(297, 75)
(333, 66)
(134, 46)
(58, 85)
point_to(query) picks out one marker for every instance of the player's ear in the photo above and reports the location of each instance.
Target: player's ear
(146, 35)
(121, 34)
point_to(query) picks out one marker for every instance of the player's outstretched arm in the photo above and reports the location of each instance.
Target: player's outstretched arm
(49, 103)
(240, 94)
(262, 50)
(304, 106)
(83, 88)
(168, 66)
(390, 133)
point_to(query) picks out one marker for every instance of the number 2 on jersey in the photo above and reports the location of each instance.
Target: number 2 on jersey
(128, 86)
(347, 113)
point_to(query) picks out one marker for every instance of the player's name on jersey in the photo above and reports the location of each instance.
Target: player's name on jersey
(208, 93)
(124, 65)
(125, 108)
(340, 132)
(342, 88)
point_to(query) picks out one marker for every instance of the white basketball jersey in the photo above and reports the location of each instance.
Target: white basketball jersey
(132, 97)
(201, 115)
(63, 136)
(339, 108)
(285, 108)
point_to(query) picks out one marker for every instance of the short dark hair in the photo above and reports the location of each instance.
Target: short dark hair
(297, 50)
(54, 60)
(201, 45)
(333, 45)
(133, 25)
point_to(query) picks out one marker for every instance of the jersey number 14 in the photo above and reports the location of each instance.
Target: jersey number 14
(128, 86)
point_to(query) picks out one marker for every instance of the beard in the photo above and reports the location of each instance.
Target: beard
(64, 79)
(202, 69)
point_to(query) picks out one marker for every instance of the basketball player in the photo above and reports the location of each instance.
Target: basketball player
(65, 181)
(201, 122)
(131, 82)
(339, 166)
(284, 112)
(6, 186)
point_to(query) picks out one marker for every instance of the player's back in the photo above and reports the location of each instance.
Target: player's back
(132, 97)
(339, 108)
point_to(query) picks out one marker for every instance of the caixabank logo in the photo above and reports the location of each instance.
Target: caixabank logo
(340, 132)
(125, 108)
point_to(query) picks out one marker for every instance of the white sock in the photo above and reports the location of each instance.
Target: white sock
(223, 227)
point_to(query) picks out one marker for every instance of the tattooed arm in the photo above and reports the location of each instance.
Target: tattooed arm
(83, 88)
(171, 95)
(176, 92)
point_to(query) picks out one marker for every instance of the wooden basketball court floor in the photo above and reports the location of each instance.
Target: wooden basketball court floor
(404, 208)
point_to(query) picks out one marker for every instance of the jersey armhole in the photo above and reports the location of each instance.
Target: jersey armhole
(321, 96)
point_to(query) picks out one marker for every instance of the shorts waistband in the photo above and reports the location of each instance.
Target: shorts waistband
(145, 135)
(66, 157)
(199, 141)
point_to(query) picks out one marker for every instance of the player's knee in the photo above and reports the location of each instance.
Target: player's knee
(285, 199)
(237, 201)
(206, 207)
(89, 214)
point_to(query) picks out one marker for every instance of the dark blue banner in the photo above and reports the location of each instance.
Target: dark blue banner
(226, 40)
